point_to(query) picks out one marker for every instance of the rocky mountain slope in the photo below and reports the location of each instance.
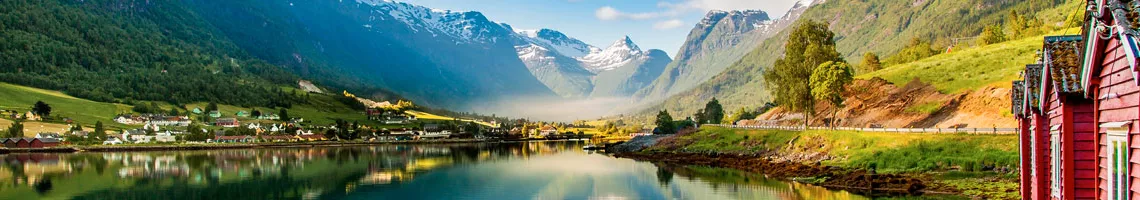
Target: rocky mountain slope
(442, 58)
(718, 41)
(742, 84)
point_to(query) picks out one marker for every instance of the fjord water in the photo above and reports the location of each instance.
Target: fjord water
(525, 170)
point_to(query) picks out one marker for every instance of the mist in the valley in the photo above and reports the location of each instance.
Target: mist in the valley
(558, 109)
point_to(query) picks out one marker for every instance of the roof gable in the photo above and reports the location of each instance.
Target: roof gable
(1017, 95)
(1033, 89)
(1062, 57)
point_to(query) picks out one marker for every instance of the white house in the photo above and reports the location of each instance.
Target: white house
(48, 135)
(113, 141)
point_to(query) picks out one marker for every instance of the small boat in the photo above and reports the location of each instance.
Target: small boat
(592, 147)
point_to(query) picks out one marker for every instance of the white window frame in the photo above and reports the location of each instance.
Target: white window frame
(1055, 153)
(1118, 184)
(1033, 150)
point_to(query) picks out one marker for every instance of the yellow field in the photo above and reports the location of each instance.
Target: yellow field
(424, 115)
(31, 128)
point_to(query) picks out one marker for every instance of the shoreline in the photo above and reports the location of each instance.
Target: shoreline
(218, 146)
(856, 181)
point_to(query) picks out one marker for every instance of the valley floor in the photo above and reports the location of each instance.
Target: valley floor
(876, 164)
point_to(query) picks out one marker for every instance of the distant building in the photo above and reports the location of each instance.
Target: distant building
(234, 139)
(44, 143)
(548, 130)
(227, 122)
(196, 111)
(113, 140)
(242, 114)
(48, 135)
(269, 117)
(215, 114)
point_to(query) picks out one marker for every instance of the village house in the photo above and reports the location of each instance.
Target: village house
(434, 131)
(547, 130)
(269, 117)
(113, 140)
(153, 119)
(197, 111)
(215, 114)
(48, 135)
(126, 119)
(227, 122)
(241, 113)
(312, 137)
(234, 139)
(280, 138)
(1077, 110)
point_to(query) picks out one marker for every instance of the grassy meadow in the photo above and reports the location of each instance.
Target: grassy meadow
(967, 69)
(87, 112)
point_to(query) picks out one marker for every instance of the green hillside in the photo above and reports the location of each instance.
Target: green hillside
(742, 84)
(963, 70)
(20, 98)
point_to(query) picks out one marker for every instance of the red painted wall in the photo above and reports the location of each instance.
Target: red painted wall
(1116, 78)
(1041, 177)
(1026, 150)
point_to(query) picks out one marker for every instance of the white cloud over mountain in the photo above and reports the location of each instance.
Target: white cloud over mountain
(668, 24)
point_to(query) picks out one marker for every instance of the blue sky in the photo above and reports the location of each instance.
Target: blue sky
(652, 24)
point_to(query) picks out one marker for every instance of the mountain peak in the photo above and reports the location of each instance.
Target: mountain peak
(625, 43)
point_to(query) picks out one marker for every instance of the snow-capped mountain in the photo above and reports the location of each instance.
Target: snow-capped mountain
(559, 42)
(466, 26)
(620, 52)
(456, 60)
(574, 69)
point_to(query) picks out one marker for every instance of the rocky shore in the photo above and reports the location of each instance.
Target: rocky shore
(857, 181)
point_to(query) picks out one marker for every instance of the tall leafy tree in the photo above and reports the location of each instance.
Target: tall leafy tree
(664, 123)
(16, 129)
(100, 133)
(828, 82)
(713, 112)
(211, 107)
(284, 114)
(871, 62)
(992, 35)
(809, 45)
(42, 109)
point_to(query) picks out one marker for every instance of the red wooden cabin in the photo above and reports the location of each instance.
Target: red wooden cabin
(1108, 78)
(23, 142)
(1071, 124)
(1034, 134)
(43, 143)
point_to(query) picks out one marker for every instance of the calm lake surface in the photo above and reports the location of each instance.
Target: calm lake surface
(534, 170)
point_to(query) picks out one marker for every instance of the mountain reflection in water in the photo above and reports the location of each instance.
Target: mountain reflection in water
(535, 170)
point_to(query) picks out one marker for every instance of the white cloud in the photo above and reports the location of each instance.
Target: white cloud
(607, 13)
(668, 24)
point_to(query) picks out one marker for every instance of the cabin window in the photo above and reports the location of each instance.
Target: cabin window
(1055, 146)
(1033, 147)
(1117, 160)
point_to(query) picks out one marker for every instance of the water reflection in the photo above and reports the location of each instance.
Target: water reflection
(556, 170)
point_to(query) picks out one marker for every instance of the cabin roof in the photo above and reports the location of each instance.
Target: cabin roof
(1062, 58)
